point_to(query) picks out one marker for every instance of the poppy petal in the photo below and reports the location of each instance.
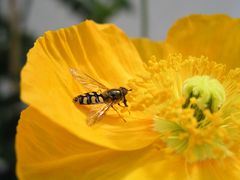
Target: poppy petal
(214, 36)
(148, 48)
(169, 167)
(103, 51)
(48, 151)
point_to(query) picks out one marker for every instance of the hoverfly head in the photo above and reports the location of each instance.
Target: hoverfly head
(124, 90)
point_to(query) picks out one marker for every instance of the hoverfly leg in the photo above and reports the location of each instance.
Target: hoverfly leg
(125, 105)
(120, 105)
(125, 102)
(118, 113)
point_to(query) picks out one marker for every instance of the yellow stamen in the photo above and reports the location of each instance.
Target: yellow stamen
(195, 103)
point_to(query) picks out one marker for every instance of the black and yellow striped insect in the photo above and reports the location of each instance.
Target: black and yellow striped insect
(105, 96)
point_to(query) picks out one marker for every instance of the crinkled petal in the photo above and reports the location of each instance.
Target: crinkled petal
(102, 51)
(214, 36)
(148, 48)
(47, 151)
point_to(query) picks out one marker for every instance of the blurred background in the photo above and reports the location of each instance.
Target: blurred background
(22, 21)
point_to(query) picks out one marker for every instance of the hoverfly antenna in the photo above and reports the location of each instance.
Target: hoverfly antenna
(129, 89)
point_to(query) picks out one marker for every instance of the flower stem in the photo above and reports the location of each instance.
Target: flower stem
(144, 18)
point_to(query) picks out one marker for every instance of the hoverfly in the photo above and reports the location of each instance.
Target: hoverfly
(106, 97)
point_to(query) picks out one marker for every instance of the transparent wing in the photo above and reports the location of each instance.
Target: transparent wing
(97, 113)
(87, 81)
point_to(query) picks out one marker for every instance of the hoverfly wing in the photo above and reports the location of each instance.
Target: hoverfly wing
(97, 113)
(86, 81)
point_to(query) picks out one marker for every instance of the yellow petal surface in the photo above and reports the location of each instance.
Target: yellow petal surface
(148, 48)
(173, 167)
(48, 151)
(214, 36)
(101, 51)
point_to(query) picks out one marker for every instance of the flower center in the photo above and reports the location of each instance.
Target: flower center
(194, 103)
(201, 93)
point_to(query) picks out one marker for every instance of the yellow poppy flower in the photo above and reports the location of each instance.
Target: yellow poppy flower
(184, 107)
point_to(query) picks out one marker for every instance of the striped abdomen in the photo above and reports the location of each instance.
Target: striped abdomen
(89, 98)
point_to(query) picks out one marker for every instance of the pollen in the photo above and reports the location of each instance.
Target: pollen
(194, 103)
